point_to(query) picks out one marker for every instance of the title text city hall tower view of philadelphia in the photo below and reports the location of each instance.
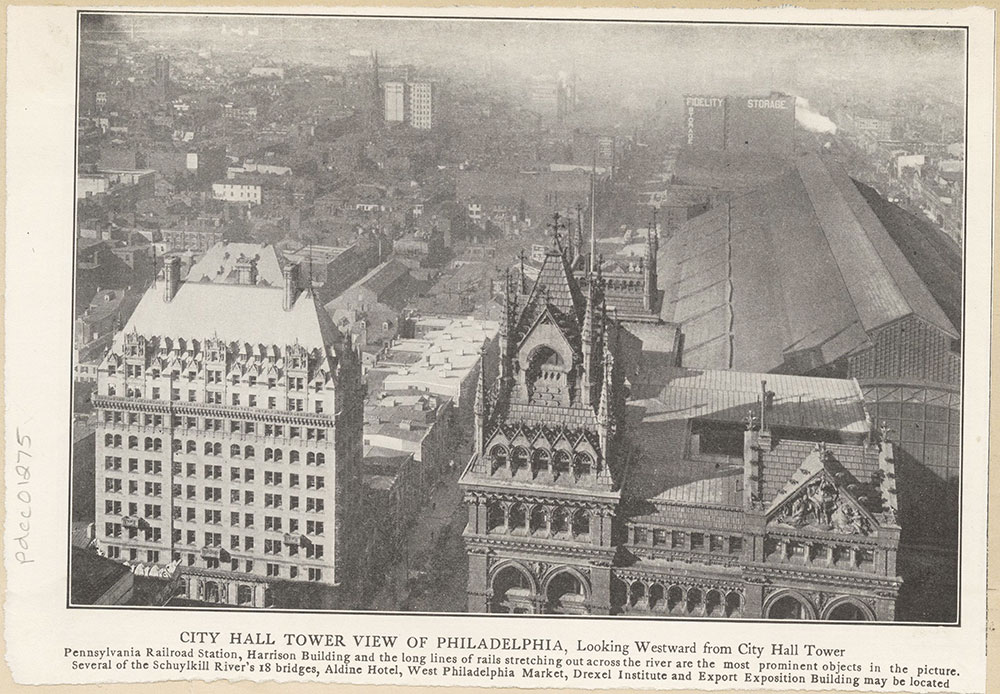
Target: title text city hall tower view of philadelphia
(372, 325)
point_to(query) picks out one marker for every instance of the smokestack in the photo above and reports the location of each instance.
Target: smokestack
(291, 274)
(172, 277)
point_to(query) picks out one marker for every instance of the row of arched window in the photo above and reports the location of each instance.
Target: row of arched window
(275, 455)
(148, 444)
(537, 519)
(538, 460)
(638, 596)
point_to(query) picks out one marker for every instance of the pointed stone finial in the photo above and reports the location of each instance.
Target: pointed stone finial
(555, 226)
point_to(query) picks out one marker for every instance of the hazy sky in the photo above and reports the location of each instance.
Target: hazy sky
(628, 54)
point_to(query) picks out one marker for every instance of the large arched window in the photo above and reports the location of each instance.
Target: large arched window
(543, 364)
(277, 455)
(293, 456)
(636, 593)
(190, 446)
(695, 600)
(217, 449)
(559, 525)
(734, 603)
(560, 463)
(517, 518)
(540, 459)
(234, 451)
(566, 594)
(582, 465)
(675, 598)
(787, 607)
(512, 591)
(656, 597)
(268, 454)
(109, 440)
(248, 452)
(494, 515)
(208, 448)
(518, 459)
(133, 442)
(848, 611)
(320, 459)
(539, 520)
(713, 603)
(581, 523)
(498, 458)
(147, 444)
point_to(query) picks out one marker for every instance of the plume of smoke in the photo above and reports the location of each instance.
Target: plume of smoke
(811, 120)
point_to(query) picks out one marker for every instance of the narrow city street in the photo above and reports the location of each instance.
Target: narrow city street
(430, 573)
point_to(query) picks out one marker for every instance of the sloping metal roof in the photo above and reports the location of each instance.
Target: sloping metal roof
(219, 263)
(831, 404)
(800, 264)
(232, 313)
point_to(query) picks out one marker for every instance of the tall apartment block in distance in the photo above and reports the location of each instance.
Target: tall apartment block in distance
(409, 102)
(229, 434)
(421, 105)
(394, 100)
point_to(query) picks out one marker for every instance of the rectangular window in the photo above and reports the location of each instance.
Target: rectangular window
(735, 545)
(697, 541)
(640, 536)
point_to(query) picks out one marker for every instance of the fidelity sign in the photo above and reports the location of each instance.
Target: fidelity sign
(699, 102)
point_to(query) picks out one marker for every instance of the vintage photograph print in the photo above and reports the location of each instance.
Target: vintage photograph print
(642, 319)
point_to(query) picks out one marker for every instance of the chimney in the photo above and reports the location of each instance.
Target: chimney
(291, 274)
(246, 270)
(172, 277)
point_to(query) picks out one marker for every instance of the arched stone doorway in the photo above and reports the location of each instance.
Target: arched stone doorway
(848, 610)
(513, 591)
(789, 606)
(566, 593)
